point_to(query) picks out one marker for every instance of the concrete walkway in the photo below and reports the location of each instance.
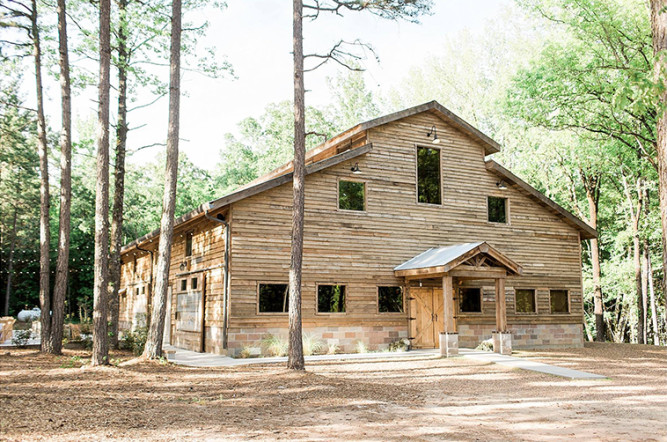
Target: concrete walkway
(194, 359)
(525, 364)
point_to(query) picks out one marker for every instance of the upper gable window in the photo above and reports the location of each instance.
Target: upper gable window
(497, 209)
(351, 195)
(429, 180)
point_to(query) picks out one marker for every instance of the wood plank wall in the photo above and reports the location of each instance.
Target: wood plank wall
(360, 249)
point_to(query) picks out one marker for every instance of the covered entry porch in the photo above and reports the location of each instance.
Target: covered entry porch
(435, 284)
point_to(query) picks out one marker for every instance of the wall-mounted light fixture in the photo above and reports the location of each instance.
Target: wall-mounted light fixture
(182, 266)
(501, 185)
(355, 169)
(433, 132)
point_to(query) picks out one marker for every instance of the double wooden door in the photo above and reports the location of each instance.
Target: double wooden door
(426, 316)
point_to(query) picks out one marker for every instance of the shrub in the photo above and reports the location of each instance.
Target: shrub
(485, 345)
(21, 338)
(135, 340)
(399, 345)
(311, 344)
(273, 346)
(361, 347)
(332, 349)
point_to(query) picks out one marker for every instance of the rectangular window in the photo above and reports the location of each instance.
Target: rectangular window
(471, 300)
(137, 291)
(429, 183)
(497, 209)
(331, 299)
(143, 290)
(559, 301)
(193, 283)
(184, 285)
(188, 244)
(273, 298)
(351, 195)
(525, 301)
(390, 299)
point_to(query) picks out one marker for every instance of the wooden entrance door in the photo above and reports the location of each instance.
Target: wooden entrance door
(426, 310)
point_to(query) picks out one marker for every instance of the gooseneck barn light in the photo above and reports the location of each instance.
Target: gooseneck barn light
(433, 132)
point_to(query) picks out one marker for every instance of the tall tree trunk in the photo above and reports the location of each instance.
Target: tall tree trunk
(295, 354)
(592, 196)
(153, 348)
(44, 228)
(100, 301)
(651, 292)
(635, 216)
(62, 265)
(644, 300)
(10, 264)
(119, 175)
(659, 31)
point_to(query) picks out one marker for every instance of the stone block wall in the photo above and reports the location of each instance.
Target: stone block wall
(346, 338)
(526, 335)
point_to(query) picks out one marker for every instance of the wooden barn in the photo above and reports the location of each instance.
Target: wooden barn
(411, 231)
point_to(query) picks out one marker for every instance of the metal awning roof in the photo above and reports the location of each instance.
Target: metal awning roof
(444, 259)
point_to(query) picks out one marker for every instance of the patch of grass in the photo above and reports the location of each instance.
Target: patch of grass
(311, 344)
(274, 345)
(74, 361)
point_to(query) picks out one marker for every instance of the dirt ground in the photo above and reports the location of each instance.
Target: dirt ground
(45, 397)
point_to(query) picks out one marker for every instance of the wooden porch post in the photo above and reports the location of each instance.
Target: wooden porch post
(448, 304)
(501, 306)
(449, 338)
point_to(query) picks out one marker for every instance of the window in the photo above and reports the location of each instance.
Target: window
(331, 299)
(273, 298)
(143, 289)
(136, 291)
(497, 209)
(525, 301)
(471, 300)
(188, 244)
(351, 195)
(428, 175)
(193, 283)
(559, 301)
(390, 299)
(184, 285)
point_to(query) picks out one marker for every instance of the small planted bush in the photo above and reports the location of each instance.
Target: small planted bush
(399, 345)
(135, 340)
(311, 344)
(274, 345)
(362, 347)
(21, 338)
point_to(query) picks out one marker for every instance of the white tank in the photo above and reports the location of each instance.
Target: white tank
(29, 315)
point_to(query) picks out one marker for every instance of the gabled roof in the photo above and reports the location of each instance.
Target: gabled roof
(587, 232)
(438, 260)
(490, 145)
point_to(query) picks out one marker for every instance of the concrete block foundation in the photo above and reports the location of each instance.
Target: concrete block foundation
(449, 344)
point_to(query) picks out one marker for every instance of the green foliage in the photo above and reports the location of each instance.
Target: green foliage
(21, 338)
(135, 340)
(361, 347)
(399, 345)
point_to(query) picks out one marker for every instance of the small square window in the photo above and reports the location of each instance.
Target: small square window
(193, 283)
(184, 285)
(559, 301)
(331, 299)
(525, 301)
(351, 195)
(497, 209)
(390, 299)
(188, 244)
(273, 298)
(471, 300)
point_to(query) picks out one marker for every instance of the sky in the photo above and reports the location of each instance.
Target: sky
(255, 36)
